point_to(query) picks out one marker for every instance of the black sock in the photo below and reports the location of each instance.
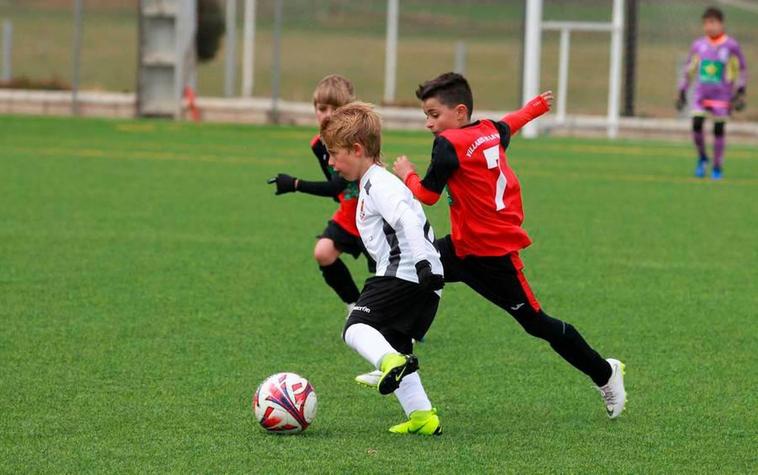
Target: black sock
(338, 277)
(574, 349)
(568, 342)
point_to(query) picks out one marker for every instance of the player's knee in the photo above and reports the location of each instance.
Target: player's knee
(349, 323)
(325, 253)
(719, 128)
(345, 334)
(697, 123)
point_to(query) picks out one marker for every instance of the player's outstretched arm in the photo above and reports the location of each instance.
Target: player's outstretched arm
(330, 188)
(406, 171)
(533, 109)
(289, 184)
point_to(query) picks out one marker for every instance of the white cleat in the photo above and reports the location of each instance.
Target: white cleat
(614, 394)
(369, 379)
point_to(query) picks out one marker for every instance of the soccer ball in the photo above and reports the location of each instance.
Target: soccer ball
(285, 403)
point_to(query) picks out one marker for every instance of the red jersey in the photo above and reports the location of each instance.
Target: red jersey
(486, 210)
(348, 197)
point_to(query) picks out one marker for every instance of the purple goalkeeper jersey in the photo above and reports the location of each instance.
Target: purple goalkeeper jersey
(718, 67)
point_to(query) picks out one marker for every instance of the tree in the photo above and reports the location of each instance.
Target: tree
(210, 29)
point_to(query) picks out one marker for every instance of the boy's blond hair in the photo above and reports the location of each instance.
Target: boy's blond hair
(334, 90)
(354, 123)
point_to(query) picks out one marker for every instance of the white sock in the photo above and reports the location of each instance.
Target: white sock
(368, 342)
(411, 394)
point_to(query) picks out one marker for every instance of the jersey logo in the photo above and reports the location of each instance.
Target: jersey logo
(362, 210)
(711, 72)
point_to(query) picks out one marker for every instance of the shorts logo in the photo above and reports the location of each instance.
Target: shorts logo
(362, 309)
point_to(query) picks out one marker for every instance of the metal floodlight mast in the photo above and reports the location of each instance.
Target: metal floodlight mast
(7, 71)
(248, 49)
(532, 56)
(390, 60)
(630, 56)
(76, 56)
(230, 45)
(276, 60)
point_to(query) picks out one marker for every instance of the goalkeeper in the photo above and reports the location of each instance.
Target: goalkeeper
(718, 66)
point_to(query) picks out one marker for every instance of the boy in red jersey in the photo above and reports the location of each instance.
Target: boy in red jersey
(486, 215)
(340, 234)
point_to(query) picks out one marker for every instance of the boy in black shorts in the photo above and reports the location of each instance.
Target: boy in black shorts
(486, 216)
(399, 303)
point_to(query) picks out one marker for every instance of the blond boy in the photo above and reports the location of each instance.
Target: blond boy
(399, 303)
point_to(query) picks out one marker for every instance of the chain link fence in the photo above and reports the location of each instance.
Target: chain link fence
(348, 37)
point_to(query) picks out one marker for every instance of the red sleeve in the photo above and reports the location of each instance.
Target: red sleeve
(413, 182)
(533, 109)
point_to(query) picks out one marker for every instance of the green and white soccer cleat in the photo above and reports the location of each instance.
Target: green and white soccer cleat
(394, 368)
(370, 380)
(613, 393)
(420, 423)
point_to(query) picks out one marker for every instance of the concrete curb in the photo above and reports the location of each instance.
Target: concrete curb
(258, 111)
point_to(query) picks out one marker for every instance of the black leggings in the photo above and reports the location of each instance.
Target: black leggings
(501, 281)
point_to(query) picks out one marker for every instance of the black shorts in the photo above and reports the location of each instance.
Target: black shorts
(395, 306)
(343, 240)
(499, 279)
(346, 242)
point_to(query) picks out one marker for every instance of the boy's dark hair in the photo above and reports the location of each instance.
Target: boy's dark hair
(715, 13)
(450, 89)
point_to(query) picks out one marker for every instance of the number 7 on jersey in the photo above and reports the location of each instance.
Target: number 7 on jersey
(492, 155)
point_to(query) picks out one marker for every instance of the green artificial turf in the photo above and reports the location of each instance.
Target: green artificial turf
(150, 280)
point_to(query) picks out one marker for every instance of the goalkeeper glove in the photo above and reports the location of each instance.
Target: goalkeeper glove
(738, 100)
(681, 101)
(426, 278)
(284, 183)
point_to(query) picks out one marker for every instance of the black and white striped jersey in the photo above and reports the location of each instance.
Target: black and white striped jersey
(393, 226)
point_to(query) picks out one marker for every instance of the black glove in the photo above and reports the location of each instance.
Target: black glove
(284, 183)
(426, 279)
(681, 101)
(738, 100)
